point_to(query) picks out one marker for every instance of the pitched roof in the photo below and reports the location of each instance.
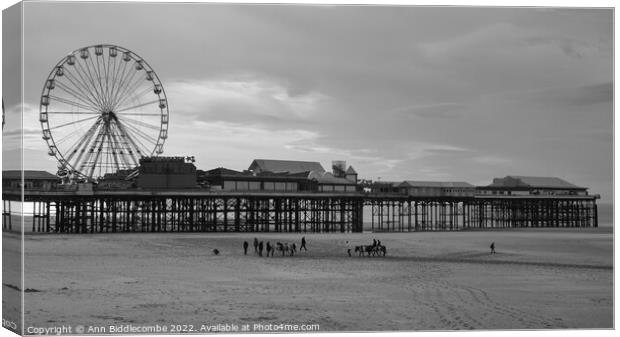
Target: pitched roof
(533, 182)
(351, 170)
(444, 184)
(385, 182)
(280, 166)
(222, 171)
(28, 175)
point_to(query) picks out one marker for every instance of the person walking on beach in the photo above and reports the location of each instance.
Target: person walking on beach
(374, 243)
(303, 244)
(255, 245)
(245, 247)
(269, 248)
(293, 249)
(260, 249)
(348, 245)
(492, 247)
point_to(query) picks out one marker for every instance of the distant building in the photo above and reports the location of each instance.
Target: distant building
(437, 189)
(351, 174)
(166, 173)
(231, 180)
(521, 185)
(327, 182)
(284, 166)
(34, 180)
(385, 187)
(120, 180)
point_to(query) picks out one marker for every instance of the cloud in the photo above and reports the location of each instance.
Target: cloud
(485, 37)
(560, 96)
(244, 99)
(492, 160)
(437, 110)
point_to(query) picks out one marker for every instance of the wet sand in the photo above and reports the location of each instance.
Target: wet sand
(539, 279)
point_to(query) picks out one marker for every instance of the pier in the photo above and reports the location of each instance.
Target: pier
(202, 211)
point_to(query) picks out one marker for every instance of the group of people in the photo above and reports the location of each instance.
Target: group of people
(270, 249)
(375, 249)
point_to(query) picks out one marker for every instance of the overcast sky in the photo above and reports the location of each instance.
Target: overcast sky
(459, 94)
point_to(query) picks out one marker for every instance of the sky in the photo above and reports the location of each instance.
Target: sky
(400, 92)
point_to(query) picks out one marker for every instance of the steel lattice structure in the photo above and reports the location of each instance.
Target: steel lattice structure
(102, 109)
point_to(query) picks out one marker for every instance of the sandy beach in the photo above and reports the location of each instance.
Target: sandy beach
(539, 279)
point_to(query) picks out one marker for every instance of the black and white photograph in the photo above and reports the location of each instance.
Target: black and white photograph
(202, 167)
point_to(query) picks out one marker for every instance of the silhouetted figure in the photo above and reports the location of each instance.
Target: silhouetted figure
(493, 248)
(379, 243)
(348, 245)
(245, 247)
(260, 249)
(293, 249)
(269, 248)
(303, 244)
(255, 245)
(374, 242)
(216, 252)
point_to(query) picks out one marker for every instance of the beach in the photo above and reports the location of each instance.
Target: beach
(538, 279)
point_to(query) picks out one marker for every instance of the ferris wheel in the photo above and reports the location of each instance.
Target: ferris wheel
(102, 109)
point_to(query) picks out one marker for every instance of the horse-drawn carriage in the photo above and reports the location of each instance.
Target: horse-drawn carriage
(371, 250)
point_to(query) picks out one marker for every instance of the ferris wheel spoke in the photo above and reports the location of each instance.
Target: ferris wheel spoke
(137, 106)
(141, 133)
(101, 73)
(83, 143)
(93, 80)
(139, 123)
(144, 91)
(77, 95)
(116, 80)
(123, 89)
(128, 93)
(84, 138)
(112, 77)
(98, 77)
(73, 123)
(139, 114)
(89, 84)
(66, 101)
(107, 77)
(125, 135)
(144, 149)
(121, 82)
(112, 149)
(95, 151)
(97, 148)
(129, 151)
(81, 86)
(139, 142)
(73, 113)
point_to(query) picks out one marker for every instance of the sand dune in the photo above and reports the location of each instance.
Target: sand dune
(538, 279)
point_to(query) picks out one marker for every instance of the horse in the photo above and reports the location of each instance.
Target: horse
(381, 249)
(360, 250)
